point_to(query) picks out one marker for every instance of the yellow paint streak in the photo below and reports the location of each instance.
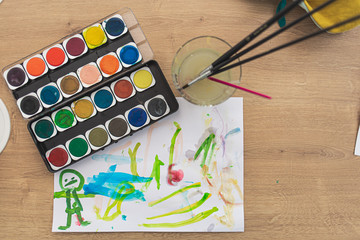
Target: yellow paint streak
(147, 147)
(223, 184)
(208, 122)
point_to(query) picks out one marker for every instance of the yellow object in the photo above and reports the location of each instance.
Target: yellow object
(142, 79)
(336, 12)
(83, 108)
(94, 36)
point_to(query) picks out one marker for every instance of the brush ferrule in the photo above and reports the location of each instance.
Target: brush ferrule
(209, 68)
(200, 77)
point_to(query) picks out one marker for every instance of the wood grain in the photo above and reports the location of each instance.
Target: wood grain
(302, 180)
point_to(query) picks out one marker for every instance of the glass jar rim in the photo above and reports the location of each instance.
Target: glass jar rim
(196, 38)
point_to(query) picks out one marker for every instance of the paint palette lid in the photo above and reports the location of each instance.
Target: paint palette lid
(4, 126)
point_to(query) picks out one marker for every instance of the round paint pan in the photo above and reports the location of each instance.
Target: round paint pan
(157, 107)
(103, 99)
(83, 109)
(89, 74)
(4, 126)
(123, 89)
(137, 117)
(114, 26)
(98, 137)
(129, 54)
(15, 77)
(64, 119)
(69, 85)
(49, 95)
(94, 36)
(117, 127)
(109, 64)
(75, 46)
(35, 66)
(55, 56)
(78, 147)
(142, 79)
(29, 105)
(58, 157)
(43, 129)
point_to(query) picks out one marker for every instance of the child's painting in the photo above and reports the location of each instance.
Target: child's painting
(181, 174)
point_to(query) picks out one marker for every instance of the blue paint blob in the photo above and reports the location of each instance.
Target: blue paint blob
(123, 217)
(49, 95)
(233, 131)
(129, 54)
(137, 117)
(113, 158)
(103, 98)
(115, 26)
(109, 184)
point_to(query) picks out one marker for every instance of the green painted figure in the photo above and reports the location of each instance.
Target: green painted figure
(71, 182)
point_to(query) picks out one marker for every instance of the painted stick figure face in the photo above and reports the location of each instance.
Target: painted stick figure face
(71, 179)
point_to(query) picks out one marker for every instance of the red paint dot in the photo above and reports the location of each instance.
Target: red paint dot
(174, 176)
(58, 157)
(55, 56)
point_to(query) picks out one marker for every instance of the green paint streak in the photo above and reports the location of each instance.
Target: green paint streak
(204, 146)
(132, 155)
(120, 192)
(196, 218)
(155, 172)
(62, 194)
(211, 153)
(70, 191)
(194, 185)
(172, 146)
(74, 208)
(185, 209)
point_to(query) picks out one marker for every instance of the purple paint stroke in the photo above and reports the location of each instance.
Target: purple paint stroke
(223, 129)
(210, 227)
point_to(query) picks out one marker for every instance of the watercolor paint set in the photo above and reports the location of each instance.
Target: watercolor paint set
(76, 63)
(90, 89)
(95, 119)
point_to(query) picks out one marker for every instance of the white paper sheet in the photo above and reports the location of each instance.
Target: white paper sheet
(208, 197)
(357, 144)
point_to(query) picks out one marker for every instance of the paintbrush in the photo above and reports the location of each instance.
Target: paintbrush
(357, 17)
(238, 87)
(306, 15)
(206, 72)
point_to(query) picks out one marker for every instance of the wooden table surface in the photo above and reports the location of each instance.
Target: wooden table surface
(302, 180)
